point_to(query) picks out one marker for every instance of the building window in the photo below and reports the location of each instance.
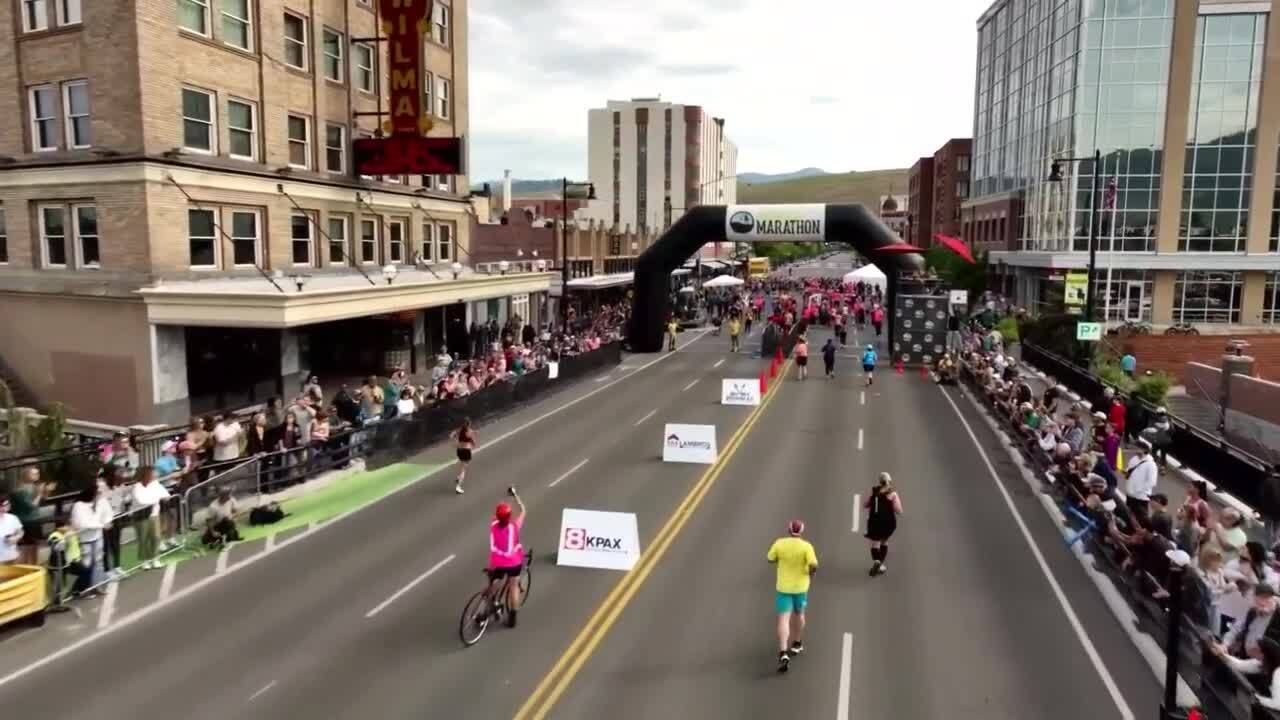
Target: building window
(444, 242)
(395, 239)
(442, 98)
(53, 236)
(962, 190)
(75, 108)
(88, 254)
(441, 25)
(333, 42)
(4, 239)
(337, 240)
(962, 163)
(193, 15)
(295, 41)
(1221, 133)
(68, 12)
(1207, 297)
(245, 238)
(43, 101)
(299, 142)
(237, 24)
(444, 182)
(335, 148)
(242, 130)
(197, 120)
(364, 66)
(368, 241)
(300, 238)
(427, 249)
(202, 239)
(1270, 297)
(35, 15)
(428, 92)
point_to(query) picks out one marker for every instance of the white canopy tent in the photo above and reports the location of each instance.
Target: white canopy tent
(723, 281)
(868, 274)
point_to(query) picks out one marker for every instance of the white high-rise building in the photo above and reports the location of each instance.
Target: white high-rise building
(651, 160)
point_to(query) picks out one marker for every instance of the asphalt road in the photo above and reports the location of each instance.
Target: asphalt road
(359, 620)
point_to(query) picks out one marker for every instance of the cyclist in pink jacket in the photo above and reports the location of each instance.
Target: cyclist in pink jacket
(506, 554)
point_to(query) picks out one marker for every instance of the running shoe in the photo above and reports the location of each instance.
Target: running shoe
(784, 662)
(796, 648)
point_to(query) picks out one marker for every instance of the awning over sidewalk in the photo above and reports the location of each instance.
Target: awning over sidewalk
(596, 282)
(254, 303)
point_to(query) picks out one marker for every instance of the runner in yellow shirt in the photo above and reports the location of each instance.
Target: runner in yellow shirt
(796, 562)
(673, 327)
(735, 329)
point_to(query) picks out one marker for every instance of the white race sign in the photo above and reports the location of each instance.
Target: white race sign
(597, 539)
(689, 443)
(553, 370)
(959, 297)
(740, 392)
(775, 223)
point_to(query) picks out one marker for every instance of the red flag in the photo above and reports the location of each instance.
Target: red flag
(955, 245)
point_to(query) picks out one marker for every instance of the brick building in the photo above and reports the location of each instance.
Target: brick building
(950, 185)
(920, 203)
(179, 212)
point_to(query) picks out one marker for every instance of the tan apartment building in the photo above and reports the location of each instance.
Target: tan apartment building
(181, 228)
(1182, 100)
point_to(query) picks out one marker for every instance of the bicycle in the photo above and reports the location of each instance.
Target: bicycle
(483, 608)
(1181, 329)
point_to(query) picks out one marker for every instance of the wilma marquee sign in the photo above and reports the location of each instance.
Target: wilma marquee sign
(407, 151)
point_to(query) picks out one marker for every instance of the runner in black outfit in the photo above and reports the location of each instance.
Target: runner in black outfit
(466, 438)
(883, 507)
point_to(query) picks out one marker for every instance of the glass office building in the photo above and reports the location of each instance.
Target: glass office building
(1169, 93)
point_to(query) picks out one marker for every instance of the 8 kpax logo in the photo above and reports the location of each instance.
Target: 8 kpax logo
(580, 539)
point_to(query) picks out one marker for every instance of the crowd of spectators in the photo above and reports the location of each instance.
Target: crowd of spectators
(1108, 472)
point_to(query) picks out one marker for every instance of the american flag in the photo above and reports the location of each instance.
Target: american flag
(1109, 197)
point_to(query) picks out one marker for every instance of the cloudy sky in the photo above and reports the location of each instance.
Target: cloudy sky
(837, 84)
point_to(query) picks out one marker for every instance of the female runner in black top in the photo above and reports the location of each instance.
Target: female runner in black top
(466, 438)
(883, 508)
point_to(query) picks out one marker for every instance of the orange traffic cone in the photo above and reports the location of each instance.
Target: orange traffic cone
(778, 356)
(897, 367)
(773, 369)
(924, 372)
(764, 384)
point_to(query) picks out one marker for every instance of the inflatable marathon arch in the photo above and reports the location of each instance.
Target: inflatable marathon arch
(752, 224)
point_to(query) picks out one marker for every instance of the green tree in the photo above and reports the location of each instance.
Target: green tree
(956, 272)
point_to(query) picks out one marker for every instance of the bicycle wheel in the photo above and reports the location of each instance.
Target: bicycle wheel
(526, 582)
(475, 619)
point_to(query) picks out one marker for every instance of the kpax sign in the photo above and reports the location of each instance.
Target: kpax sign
(406, 23)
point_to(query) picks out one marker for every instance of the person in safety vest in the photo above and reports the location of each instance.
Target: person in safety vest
(506, 554)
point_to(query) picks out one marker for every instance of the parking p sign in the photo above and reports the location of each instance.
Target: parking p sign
(1089, 331)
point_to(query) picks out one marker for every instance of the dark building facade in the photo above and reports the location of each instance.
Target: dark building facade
(920, 203)
(950, 185)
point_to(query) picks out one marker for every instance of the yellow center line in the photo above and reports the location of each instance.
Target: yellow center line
(545, 695)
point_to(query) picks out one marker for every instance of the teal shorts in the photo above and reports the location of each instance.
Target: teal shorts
(790, 602)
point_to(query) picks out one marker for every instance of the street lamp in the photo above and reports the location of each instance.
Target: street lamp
(503, 266)
(389, 272)
(586, 191)
(1055, 175)
(1178, 562)
(300, 280)
(456, 269)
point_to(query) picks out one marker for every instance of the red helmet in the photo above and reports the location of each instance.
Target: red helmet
(502, 512)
